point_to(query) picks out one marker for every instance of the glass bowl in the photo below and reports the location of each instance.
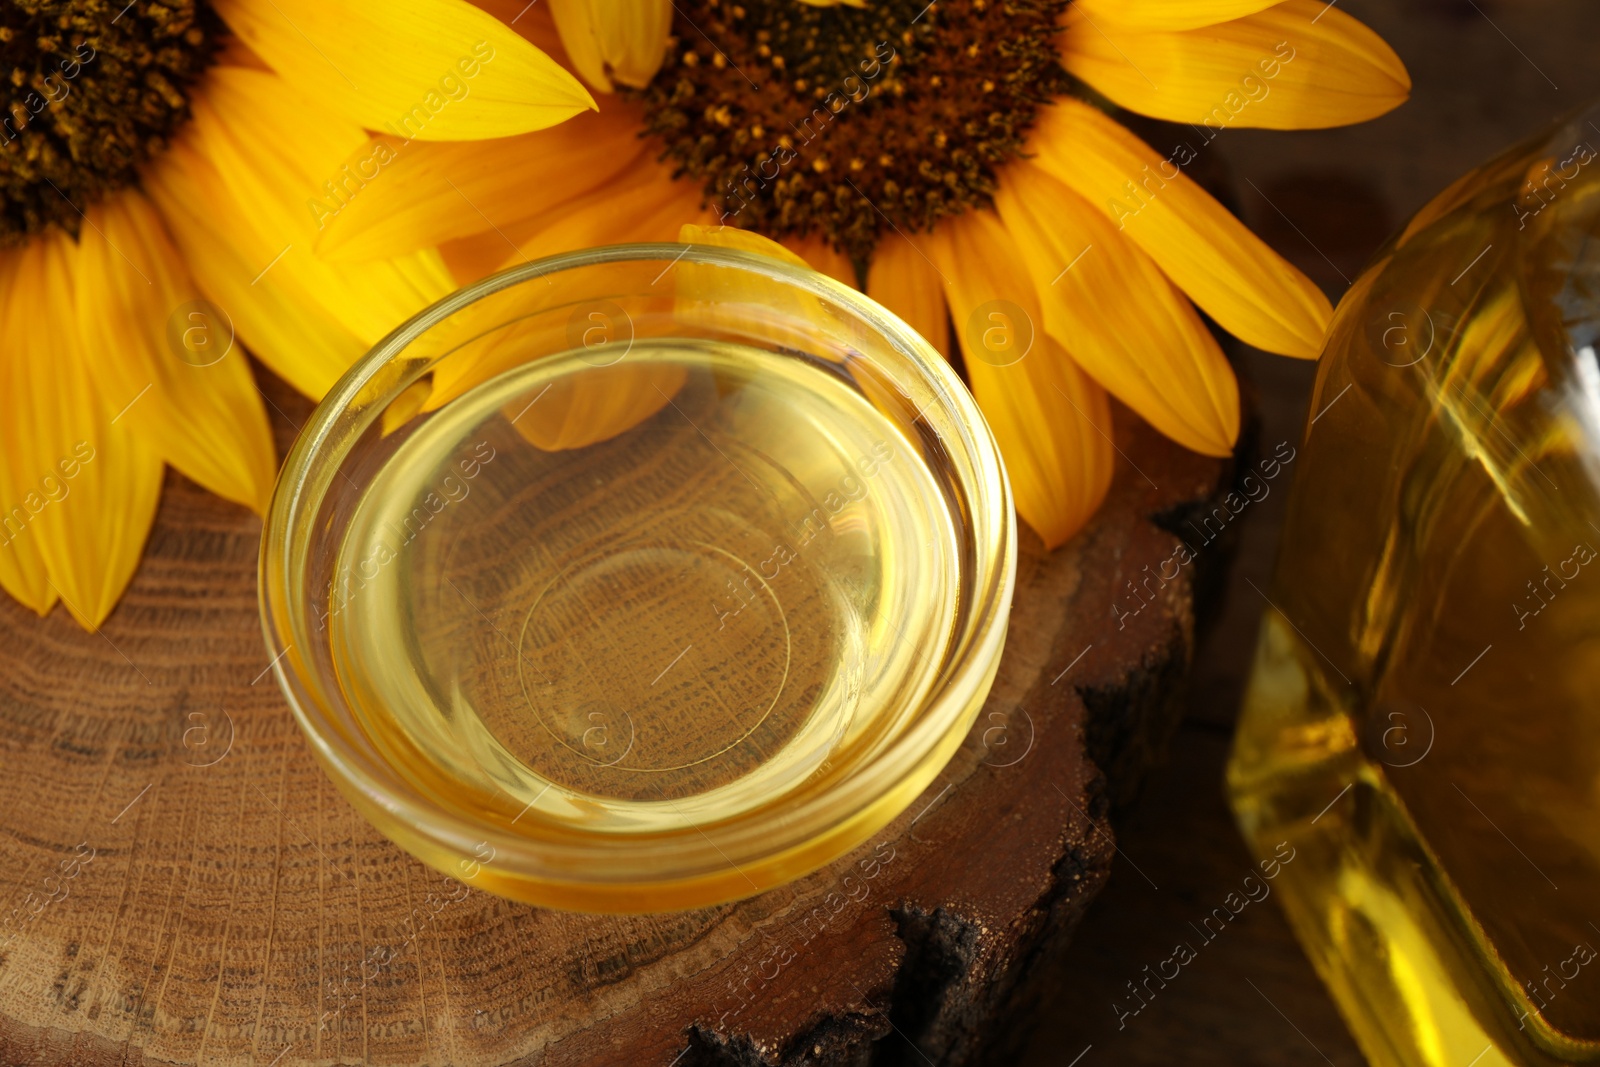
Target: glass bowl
(640, 578)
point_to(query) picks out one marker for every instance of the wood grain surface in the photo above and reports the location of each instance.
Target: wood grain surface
(183, 886)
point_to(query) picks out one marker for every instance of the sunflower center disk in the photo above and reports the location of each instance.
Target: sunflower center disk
(845, 121)
(93, 88)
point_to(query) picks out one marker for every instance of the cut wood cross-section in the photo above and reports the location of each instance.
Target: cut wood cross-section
(180, 884)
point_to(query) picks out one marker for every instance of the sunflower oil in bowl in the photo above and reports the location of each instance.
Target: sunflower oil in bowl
(630, 590)
(1423, 723)
(640, 578)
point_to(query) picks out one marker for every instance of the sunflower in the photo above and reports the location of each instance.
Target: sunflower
(163, 164)
(959, 160)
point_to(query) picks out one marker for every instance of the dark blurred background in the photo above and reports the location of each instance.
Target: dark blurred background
(1484, 74)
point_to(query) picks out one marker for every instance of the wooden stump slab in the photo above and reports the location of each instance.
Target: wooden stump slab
(181, 884)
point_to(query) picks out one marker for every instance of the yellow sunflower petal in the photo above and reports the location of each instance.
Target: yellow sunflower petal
(435, 70)
(533, 22)
(903, 279)
(597, 404)
(402, 408)
(1165, 14)
(492, 336)
(589, 407)
(422, 195)
(1051, 420)
(304, 344)
(743, 240)
(1298, 65)
(252, 153)
(1230, 272)
(1118, 315)
(198, 405)
(820, 255)
(718, 299)
(22, 469)
(97, 482)
(644, 203)
(527, 323)
(610, 42)
(656, 211)
(530, 322)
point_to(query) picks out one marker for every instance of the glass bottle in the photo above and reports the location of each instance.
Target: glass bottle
(1422, 725)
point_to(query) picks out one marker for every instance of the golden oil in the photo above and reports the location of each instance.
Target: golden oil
(1423, 721)
(620, 591)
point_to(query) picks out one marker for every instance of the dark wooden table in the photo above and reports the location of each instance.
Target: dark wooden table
(1485, 73)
